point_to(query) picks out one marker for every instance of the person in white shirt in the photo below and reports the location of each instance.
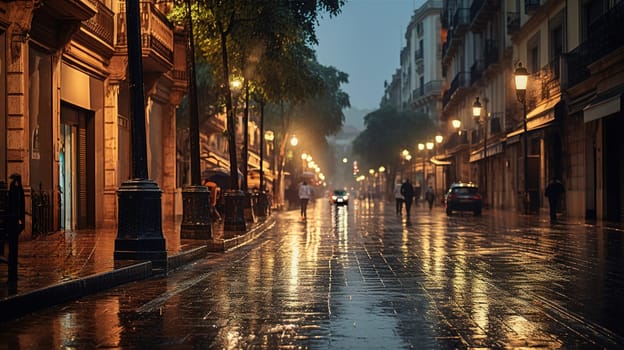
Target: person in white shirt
(305, 192)
(399, 198)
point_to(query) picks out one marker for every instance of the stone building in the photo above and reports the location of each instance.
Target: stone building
(65, 125)
(573, 101)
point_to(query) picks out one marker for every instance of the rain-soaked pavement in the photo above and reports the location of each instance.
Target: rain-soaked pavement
(363, 278)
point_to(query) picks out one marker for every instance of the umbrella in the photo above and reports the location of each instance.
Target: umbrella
(220, 176)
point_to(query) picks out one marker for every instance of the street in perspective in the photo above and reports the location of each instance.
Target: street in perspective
(359, 276)
(311, 174)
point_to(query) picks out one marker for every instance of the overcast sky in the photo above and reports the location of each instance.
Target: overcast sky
(365, 41)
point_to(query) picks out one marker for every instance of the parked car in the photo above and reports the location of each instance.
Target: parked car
(463, 196)
(340, 197)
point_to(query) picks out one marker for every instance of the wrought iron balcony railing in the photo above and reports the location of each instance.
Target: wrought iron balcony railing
(156, 35)
(102, 25)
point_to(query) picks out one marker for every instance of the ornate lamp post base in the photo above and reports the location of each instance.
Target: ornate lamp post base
(196, 223)
(139, 227)
(234, 218)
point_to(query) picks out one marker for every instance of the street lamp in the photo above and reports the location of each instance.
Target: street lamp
(438, 140)
(139, 220)
(476, 114)
(294, 141)
(456, 124)
(521, 78)
(429, 146)
(196, 223)
(421, 148)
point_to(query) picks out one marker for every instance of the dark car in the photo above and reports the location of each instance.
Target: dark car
(463, 196)
(340, 197)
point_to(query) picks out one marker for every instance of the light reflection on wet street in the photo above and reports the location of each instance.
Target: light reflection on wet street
(361, 277)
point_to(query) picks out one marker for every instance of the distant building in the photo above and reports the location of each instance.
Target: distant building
(418, 82)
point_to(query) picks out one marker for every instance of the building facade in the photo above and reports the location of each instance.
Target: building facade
(573, 101)
(417, 84)
(66, 123)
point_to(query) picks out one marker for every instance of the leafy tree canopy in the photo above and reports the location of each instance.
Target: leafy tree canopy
(387, 133)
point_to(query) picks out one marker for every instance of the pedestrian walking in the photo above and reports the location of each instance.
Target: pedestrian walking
(305, 193)
(407, 190)
(398, 197)
(554, 191)
(15, 221)
(430, 197)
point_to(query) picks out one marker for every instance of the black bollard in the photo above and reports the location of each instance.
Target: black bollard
(15, 221)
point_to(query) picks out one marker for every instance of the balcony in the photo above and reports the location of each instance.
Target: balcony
(58, 21)
(100, 29)
(455, 36)
(476, 71)
(459, 83)
(481, 12)
(491, 53)
(156, 37)
(418, 55)
(604, 38)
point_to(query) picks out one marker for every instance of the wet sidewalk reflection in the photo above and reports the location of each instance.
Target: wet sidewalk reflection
(359, 277)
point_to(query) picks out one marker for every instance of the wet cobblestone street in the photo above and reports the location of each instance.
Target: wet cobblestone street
(363, 278)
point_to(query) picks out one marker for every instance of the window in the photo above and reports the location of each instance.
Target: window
(533, 63)
(590, 12)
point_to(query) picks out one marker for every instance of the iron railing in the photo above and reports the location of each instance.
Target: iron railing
(42, 215)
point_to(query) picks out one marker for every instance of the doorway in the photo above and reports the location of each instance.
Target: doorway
(76, 169)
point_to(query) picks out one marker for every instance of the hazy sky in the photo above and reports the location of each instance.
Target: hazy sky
(365, 41)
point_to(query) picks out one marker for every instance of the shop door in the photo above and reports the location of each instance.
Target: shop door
(76, 169)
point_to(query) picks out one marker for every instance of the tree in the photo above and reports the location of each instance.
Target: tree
(387, 133)
(240, 37)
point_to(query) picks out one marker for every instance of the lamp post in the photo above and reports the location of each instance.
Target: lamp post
(521, 78)
(382, 183)
(477, 107)
(269, 136)
(263, 202)
(234, 198)
(195, 220)
(456, 125)
(139, 225)
(429, 146)
(421, 148)
(438, 140)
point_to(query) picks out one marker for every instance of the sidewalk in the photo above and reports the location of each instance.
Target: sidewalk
(62, 266)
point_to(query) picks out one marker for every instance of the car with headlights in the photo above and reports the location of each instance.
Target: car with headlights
(340, 197)
(463, 196)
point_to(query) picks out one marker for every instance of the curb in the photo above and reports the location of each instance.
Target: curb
(18, 305)
(225, 244)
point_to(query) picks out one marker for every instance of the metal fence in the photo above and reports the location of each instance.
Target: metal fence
(42, 217)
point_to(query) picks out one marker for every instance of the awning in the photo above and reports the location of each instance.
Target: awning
(440, 162)
(540, 117)
(543, 110)
(493, 149)
(604, 104)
